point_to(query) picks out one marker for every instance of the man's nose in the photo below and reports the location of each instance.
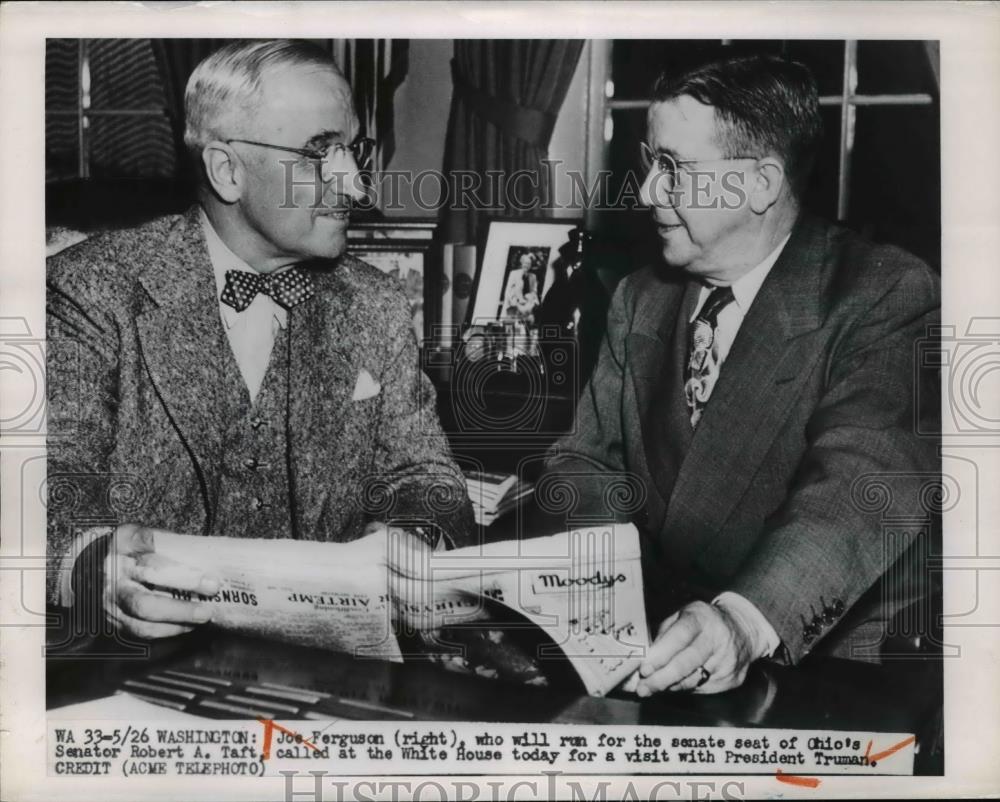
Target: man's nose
(340, 169)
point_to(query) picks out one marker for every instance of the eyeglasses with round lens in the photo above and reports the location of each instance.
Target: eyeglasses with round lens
(361, 149)
(667, 165)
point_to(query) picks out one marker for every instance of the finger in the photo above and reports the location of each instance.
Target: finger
(136, 601)
(147, 630)
(695, 679)
(671, 640)
(155, 569)
(668, 623)
(681, 666)
(373, 527)
(723, 681)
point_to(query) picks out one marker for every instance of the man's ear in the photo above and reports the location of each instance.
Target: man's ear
(223, 171)
(767, 184)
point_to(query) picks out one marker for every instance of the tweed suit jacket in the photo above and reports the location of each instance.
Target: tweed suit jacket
(137, 360)
(814, 407)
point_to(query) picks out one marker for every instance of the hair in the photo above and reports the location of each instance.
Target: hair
(764, 105)
(225, 87)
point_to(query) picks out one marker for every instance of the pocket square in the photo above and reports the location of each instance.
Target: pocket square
(365, 387)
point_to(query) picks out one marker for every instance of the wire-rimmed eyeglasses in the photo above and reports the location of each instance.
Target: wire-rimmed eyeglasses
(361, 149)
(667, 165)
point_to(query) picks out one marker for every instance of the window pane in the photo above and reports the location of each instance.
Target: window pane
(62, 78)
(61, 148)
(635, 64)
(825, 59)
(896, 178)
(123, 75)
(821, 192)
(131, 146)
(623, 223)
(894, 68)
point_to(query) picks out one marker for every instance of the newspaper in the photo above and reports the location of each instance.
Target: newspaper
(582, 588)
(330, 595)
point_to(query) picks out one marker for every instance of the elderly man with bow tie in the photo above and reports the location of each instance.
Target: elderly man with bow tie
(231, 366)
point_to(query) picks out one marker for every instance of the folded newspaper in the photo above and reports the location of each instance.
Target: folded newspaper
(582, 588)
(494, 494)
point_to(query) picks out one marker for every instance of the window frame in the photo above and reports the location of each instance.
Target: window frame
(83, 113)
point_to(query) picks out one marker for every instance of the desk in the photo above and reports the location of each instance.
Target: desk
(500, 419)
(826, 694)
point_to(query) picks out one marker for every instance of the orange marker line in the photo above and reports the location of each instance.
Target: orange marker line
(270, 727)
(794, 779)
(892, 749)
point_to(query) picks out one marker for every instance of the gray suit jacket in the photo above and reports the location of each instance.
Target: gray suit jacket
(813, 412)
(136, 360)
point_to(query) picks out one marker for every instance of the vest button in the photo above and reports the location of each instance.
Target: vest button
(258, 503)
(256, 422)
(250, 464)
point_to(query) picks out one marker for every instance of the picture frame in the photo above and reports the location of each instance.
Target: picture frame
(516, 268)
(408, 250)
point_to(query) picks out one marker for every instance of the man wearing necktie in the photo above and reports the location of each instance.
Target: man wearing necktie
(747, 386)
(230, 372)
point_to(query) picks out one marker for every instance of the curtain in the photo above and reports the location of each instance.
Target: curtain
(176, 60)
(507, 95)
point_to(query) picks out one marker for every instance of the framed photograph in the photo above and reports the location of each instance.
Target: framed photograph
(404, 249)
(516, 269)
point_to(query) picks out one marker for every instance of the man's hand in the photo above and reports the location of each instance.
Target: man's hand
(698, 636)
(132, 568)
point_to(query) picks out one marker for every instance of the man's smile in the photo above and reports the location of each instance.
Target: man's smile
(334, 211)
(665, 228)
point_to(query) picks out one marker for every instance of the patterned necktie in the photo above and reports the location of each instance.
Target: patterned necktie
(703, 357)
(288, 288)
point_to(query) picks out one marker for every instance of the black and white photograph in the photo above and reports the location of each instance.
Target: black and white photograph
(524, 282)
(517, 269)
(687, 500)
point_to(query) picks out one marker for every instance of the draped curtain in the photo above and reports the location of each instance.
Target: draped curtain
(507, 95)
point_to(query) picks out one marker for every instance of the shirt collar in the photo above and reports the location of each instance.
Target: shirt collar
(223, 259)
(746, 287)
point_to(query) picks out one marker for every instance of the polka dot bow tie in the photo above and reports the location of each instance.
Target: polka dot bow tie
(288, 288)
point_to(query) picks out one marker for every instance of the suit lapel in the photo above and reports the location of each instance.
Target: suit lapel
(183, 341)
(750, 401)
(658, 360)
(322, 375)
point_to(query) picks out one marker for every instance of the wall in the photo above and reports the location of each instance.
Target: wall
(569, 141)
(421, 116)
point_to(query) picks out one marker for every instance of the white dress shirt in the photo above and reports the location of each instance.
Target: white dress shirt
(251, 332)
(763, 636)
(745, 289)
